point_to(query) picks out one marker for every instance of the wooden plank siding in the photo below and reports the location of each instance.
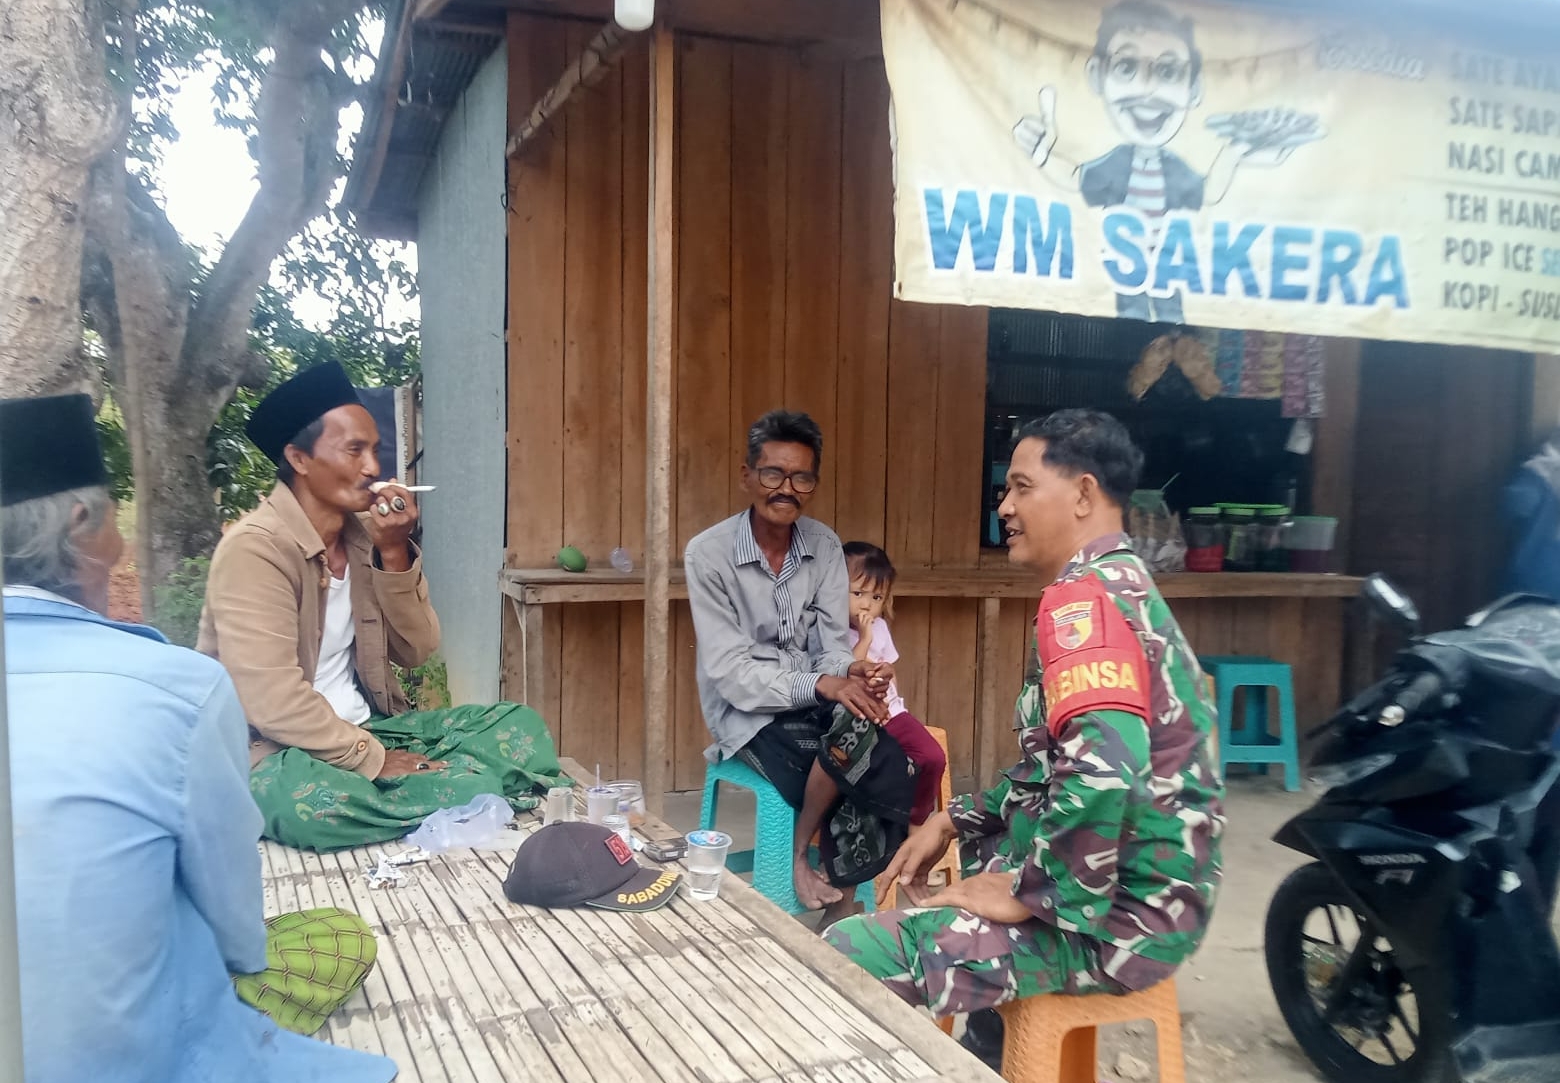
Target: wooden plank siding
(785, 252)
(784, 271)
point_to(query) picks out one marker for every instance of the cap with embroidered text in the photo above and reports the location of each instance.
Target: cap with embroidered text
(584, 864)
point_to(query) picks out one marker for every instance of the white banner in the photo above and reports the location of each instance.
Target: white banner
(1225, 167)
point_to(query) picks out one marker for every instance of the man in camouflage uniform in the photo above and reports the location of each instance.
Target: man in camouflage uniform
(1093, 864)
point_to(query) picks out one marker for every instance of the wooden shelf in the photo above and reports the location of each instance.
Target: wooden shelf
(553, 586)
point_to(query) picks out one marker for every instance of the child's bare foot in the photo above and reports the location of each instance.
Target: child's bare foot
(812, 890)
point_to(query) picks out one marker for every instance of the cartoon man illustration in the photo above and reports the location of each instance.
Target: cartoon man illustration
(1148, 70)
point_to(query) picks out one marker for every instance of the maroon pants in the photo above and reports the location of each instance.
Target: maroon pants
(927, 755)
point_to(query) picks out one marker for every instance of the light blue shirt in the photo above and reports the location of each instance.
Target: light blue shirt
(764, 639)
(137, 874)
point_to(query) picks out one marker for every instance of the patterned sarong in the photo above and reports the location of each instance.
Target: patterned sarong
(501, 748)
(864, 829)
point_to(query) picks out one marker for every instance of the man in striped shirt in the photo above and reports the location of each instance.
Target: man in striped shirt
(769, 594)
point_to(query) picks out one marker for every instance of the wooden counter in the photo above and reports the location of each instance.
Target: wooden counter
(550, 586)
(962, 636)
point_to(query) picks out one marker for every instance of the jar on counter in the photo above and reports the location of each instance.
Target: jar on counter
(1272, 556)
(1204, 540)
(1240, 540)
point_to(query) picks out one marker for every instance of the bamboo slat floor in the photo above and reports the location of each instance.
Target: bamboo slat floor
(471, 987)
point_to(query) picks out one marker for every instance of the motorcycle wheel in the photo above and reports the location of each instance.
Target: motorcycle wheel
(1374, 1031)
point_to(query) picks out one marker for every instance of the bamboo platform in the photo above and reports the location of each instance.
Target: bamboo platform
(471, 987)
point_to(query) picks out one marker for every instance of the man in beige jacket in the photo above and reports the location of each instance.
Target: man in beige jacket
(311, 598)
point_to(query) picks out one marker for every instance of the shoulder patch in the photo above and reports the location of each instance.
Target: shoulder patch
(1090, 657)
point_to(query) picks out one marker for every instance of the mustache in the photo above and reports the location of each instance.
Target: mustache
(784, 500)
(1145, 99)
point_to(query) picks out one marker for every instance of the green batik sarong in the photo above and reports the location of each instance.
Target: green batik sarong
(502, 748)
(315, 960)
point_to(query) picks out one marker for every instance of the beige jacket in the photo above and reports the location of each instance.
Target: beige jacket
(264, 619)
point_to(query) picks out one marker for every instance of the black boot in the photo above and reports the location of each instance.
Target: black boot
(983, 1036)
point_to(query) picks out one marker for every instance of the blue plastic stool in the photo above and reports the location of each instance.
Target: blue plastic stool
(774, 825)
(1253, 743)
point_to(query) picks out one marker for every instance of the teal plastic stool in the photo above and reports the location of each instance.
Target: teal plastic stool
(1253, 742)
(774, 825)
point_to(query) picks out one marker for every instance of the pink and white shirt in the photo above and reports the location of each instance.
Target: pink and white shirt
(882, 650)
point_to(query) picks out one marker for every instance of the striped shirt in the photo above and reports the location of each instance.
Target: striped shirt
(1146, 190)
(764, 638)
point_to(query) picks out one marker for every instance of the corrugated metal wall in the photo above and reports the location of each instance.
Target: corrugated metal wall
(460, 254)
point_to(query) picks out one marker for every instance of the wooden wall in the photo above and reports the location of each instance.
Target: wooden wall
(1440, 431)
(784, 271)
(785, 243)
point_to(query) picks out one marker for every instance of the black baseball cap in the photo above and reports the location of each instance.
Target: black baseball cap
(583, 864)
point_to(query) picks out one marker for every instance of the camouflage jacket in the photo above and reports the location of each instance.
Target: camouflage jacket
(1111, 821)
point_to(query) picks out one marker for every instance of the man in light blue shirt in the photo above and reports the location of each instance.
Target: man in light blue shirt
(137, 874)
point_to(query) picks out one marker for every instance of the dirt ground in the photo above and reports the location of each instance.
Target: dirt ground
(124, 593)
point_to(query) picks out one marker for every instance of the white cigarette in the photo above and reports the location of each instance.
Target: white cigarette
(378, 485)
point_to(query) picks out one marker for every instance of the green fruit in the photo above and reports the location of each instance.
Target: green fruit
(571, 559)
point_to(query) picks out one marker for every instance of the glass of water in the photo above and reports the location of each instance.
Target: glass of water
(706, 863)
(559, 807)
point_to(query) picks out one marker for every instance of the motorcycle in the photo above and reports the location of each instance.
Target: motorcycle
(1417, 947)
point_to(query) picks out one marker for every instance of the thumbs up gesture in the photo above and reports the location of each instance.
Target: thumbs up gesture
(1035, 134)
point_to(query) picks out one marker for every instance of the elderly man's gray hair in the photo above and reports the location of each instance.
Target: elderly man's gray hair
(36, 537)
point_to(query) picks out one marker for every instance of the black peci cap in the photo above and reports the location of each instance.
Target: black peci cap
(583, 864)
(296, 404)
(48, 445)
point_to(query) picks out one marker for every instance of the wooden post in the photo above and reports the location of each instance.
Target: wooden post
(658, 415)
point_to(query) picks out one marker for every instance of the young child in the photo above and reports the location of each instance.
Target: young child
(871, 608)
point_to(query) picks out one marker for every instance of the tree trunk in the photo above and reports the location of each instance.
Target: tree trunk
(178, 344)
(56, 117)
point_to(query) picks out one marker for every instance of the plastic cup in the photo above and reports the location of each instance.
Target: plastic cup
(618, 825)
(600, 802)
(631, 799)
(559, 808)
(621, 561)
(706, 863)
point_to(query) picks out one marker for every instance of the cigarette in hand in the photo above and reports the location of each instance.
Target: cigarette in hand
(379, 485)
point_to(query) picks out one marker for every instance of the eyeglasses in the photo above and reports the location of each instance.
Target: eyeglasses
(772, 477)
(1164, 69)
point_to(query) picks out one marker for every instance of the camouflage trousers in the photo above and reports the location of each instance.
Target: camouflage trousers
(952, 962)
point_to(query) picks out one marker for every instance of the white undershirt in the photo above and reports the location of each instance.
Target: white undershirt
(334, 676)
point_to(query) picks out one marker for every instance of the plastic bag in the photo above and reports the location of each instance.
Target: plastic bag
(1156, 532)
(479, 824)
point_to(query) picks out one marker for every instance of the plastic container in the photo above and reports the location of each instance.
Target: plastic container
(706, 863)
(1240, 539)
(600, 802)
(1272, 526)
(630, 799)
(1204, 540)
(1309, 540)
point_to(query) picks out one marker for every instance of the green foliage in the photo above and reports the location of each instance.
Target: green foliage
(172, 42)
(374, 355)
(428, 686)
(116, 451)
(179, 601)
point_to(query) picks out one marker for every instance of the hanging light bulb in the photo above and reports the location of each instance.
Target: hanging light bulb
(633, 14)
